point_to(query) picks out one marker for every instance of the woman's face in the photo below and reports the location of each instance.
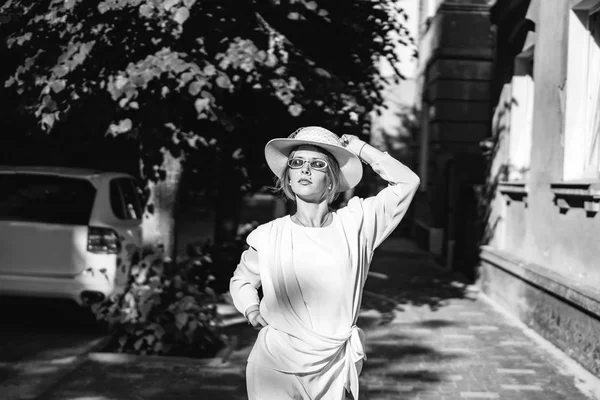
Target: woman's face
(308, 184)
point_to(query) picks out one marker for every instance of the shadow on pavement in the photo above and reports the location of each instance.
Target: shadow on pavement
(39, 335)
(399, 279)
(45, 315)
(401, 360)
(151, 380)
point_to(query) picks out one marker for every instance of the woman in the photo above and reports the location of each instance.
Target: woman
(312, 266)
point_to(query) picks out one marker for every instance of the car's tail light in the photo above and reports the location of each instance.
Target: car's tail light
(103, 241)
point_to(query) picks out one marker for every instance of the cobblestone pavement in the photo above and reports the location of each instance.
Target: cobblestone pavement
(449, 343)
(428, 337)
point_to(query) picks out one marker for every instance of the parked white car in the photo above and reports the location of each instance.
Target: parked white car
(67, 233)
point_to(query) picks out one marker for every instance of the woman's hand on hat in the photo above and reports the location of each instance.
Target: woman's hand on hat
(352, 143)
(347, 139)
(256, 320)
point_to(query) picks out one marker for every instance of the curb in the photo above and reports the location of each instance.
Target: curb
(214, 364)
(584, 380)
(47, 383)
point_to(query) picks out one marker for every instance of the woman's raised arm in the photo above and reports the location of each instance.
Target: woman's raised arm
(381, 214)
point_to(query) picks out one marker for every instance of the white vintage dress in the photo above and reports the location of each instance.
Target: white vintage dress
(312, 281)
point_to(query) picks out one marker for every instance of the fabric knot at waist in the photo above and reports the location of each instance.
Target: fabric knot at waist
(355, 351)
(304, 351)
(356, 344)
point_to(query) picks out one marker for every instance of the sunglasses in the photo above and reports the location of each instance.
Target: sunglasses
(319, 165)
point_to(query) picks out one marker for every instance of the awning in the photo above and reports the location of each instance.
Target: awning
(533, 11)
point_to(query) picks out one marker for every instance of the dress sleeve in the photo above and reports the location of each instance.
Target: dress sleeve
(379, 215)
(246, 277)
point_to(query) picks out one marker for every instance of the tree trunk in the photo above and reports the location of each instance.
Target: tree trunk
(228, 209)
(159, 215)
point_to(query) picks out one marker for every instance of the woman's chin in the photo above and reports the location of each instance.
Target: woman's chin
(311, 197)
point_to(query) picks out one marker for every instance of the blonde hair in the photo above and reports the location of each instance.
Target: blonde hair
(333, 177)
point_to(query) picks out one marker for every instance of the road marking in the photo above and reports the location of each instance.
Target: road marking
(536, 388)
(483, 327)
(479, 395)
(516, 371)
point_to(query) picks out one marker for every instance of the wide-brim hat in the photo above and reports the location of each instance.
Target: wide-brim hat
(277, 152)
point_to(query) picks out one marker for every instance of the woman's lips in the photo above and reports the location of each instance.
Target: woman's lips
(304, 181)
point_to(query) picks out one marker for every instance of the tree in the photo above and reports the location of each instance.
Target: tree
(185, 76)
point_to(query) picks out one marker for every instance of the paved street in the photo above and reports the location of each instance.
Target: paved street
(38, 340)
(428, 337)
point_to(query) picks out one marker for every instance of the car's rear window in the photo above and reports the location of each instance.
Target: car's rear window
(46, 198)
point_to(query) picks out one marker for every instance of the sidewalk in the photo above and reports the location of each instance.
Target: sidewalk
(450, 342)
(428, 337)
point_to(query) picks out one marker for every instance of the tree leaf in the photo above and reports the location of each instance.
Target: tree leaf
(223, 82)
(260, 56)
(103, 7)
(150, 339)
(195, 88)
(58, 85)
(186, 77)
(138, 343)
(181, 15)
(61, 70)
(181, 320)
(294, 16)
(48, 121)
(201, 105)
(311, 5)
(120, 82)
(49, 103)
(124, 126)
(168, 4)
(209, 70)
(295, 110)
(145, 10)
(158, 347)
(69, 4)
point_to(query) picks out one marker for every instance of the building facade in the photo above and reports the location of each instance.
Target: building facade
(454, 94)
(509, 158)
(540, 258)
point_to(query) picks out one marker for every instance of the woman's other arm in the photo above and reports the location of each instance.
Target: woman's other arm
(243, 287)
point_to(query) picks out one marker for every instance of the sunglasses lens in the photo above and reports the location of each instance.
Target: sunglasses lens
(296, 163)
(318, 164)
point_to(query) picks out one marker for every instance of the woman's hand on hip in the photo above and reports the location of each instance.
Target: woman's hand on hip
(256, 320)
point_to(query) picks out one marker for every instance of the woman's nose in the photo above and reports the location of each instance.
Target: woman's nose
(305, 169)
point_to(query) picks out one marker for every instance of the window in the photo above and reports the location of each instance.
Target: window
(46, 199)
(521, 116)
(124, 199)
(582, 114)
(427, 114)
(131, 198)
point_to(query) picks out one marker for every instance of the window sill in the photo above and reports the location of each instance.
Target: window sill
(514, 191)
(577, 194)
